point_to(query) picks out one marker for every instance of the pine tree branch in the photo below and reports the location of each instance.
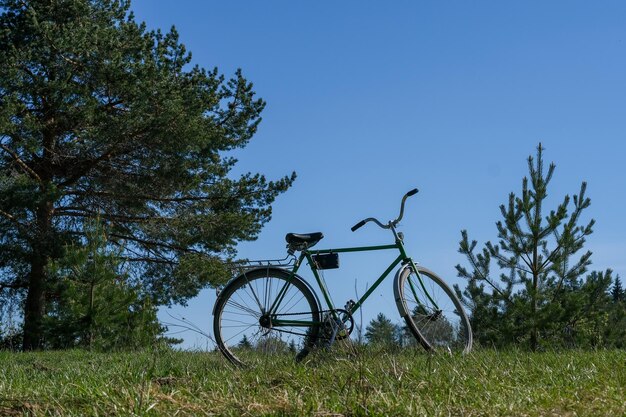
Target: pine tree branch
(86, 166)
(506, 261)
(15, 221)
(139, 197)
(485, 278)
(548, 259)
(155, 257)
(154, 243)
(524, 256)
(8, 216)
(576, 270)
(147, 259)
(13, 286)
(114, 150)
(75, 64)
(558, 247)
(83, 213)
(21, 163)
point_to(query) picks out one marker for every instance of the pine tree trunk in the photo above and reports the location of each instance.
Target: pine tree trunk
(533, 300)
(35, 304)
(533, 330)
(35, 307)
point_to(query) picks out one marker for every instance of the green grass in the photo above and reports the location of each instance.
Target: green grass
(570, 383)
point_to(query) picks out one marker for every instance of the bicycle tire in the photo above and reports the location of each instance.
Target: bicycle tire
(432, 312)
(240, 310)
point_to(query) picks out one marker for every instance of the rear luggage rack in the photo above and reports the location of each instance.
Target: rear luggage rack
(239, 266)
(243, 265)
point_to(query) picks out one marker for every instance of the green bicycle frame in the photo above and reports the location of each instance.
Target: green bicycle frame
(307, 254)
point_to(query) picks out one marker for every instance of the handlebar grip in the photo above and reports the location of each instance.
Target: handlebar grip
(412, 192)
(356, 226)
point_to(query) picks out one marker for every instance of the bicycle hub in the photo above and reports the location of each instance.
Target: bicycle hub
(266, 321)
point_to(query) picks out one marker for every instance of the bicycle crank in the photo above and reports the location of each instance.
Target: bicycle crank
(337, 325)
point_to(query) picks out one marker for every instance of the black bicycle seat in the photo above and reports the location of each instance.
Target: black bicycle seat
(299, 239)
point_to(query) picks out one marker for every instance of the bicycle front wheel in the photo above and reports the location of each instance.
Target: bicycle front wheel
(246, 328)
(432, 312)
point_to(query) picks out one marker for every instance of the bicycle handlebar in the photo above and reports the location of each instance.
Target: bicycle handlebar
(356, 226)
(391, 223)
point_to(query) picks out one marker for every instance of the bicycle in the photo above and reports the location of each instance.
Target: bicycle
(269, 308)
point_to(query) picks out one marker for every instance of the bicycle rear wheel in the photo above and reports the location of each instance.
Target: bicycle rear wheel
(247, 332)
(432, 312)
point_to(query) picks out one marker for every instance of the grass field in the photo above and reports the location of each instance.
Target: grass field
(371, 382)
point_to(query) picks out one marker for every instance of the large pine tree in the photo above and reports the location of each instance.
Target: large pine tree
(100, 117)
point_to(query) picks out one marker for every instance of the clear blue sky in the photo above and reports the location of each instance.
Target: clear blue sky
(366, 100)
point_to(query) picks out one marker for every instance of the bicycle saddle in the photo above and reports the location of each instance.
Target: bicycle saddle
(306, 240)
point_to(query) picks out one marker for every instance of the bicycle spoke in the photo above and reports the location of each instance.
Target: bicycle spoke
(238, 321)
(254, 294)
(286, 305)
(237, 334)
(244, 308)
